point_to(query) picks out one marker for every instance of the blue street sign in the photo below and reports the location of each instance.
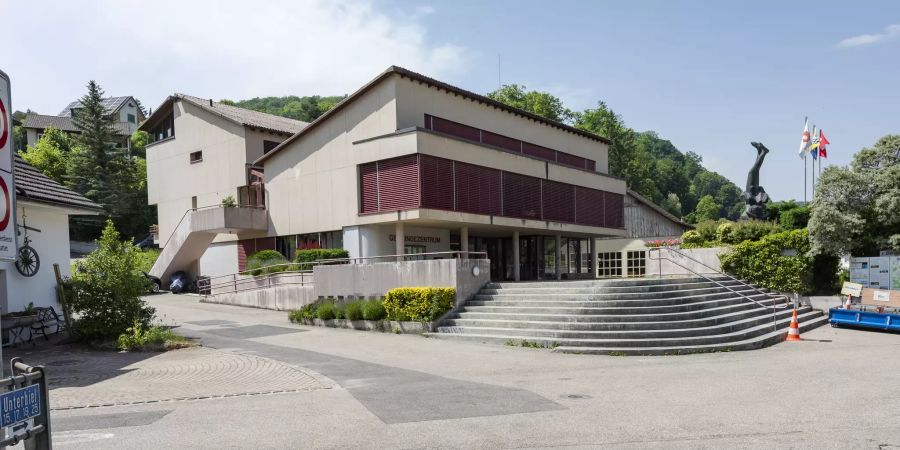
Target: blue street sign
(20, 405)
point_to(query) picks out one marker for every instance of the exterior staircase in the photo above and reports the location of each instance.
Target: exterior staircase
(665, 316)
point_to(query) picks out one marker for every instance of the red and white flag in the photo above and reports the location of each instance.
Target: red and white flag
(804, 142)
(823, 142)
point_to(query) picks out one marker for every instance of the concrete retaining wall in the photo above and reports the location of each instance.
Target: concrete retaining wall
(708, 256)
(281, 298)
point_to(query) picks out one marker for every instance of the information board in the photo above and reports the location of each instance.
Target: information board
(7, 188)
(895, 272)
(880, 272)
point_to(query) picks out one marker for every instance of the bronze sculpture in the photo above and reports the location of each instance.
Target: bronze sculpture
(755, 195)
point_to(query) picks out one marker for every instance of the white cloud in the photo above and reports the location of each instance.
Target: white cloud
(890, 32)
(232, 49)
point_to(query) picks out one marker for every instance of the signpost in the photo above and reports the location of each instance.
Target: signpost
(7, 186)
(20, 405)
(25, 407)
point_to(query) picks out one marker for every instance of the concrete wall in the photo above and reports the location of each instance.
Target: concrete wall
(281, 298)
(375, 279)
(376, 240)
(219, 259)
(414, 100)
(172, 179)
(52, 246)
(254, 141)
(312, 184)
(709, 257)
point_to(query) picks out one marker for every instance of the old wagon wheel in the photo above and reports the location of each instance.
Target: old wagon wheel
(27, 261)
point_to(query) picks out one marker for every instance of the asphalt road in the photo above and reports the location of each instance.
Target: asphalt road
(836, 389)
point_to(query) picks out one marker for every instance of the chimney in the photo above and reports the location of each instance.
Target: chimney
(210, 102)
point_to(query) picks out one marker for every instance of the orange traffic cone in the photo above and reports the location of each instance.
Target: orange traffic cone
(794, 330)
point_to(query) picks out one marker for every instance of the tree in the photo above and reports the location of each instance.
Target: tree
(541, 103)
(854, 210)
(707, 209)
(672, 204)
(306, 109)
(49, 154)
(139, 141)
(20, 140)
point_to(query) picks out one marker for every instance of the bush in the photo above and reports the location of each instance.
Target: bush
(146, 259)
(106, 292)
(691, 239)
(339, 311)
(762, 262)
(725, 232)
(260, 262)
(318, 254)
(752, 230)
(325, 311)
(373, 310)
(795, 218)
(354, 310)
(137, 337)
(422, 304)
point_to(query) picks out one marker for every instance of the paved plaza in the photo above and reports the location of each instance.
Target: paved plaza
(336, 388)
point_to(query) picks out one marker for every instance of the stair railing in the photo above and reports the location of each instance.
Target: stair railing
(660, 258)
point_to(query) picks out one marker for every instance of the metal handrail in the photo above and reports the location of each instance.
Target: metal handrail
(203, 208)
(774, 306)
(232, 279)
(237, 284)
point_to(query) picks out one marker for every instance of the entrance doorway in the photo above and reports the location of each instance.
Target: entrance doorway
(537, 257)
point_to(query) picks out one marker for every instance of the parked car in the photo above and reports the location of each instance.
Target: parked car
(155, 283)
(145, 243)
(181, 282)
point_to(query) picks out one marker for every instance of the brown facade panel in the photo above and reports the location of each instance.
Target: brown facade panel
(477, 189)
(398, 183)
(614, 210)
(368, 188)
(436, 176)
(559, 201)
(521, 196)
(589, 209)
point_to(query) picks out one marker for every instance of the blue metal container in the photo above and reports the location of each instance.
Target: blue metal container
(867, 319)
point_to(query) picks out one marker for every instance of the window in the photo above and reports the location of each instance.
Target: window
(637, 263)
(610, 264)
(164, 129)
(132, 119)
(196, 157)
(414, 250)
(269, 145)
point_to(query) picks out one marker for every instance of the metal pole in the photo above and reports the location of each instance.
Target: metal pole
(804, 178)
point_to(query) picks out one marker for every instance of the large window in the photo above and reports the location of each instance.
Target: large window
(637, 263)
(610, 264)
(164, 129)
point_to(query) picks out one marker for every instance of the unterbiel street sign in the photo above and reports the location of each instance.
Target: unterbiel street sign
(20, 405)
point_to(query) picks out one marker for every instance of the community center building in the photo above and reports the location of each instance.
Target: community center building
(405, 165)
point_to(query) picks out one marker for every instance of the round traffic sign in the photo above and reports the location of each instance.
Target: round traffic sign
(4, 125)
(7, 204)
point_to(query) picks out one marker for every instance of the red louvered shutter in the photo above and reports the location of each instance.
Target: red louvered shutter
(455, 129)
(614, 207)
(521, 196)
(477, 189)
(590, 164)
(398, 183)
(368, 188)
(500, 141)
(589, 206)
(437, 182)
(570, 160)
(558, 201)
(538, 151)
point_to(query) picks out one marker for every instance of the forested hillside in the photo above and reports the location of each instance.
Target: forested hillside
(306, 109)
(651, 165)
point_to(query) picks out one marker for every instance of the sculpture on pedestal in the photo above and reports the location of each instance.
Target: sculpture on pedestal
(755, 195)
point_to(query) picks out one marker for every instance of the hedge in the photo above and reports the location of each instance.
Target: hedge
(317, 254)
(259, 262)
(421, 304)
(718, 233)
(763, 263)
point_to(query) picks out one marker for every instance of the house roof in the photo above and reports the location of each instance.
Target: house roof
(438, 85)
(110, 104)
(236, 114)
(64, 123)
(32, 185)
(643, 200)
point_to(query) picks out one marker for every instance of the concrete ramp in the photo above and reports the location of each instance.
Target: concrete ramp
(197, 230)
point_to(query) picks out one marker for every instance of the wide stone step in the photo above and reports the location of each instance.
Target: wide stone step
(611, 326)
(651, 346)
(595, 294)
(551, 300)
(697, 304)
(616, 317)
(753, 343)
(611, 290)
(598, 283)
(563, 332)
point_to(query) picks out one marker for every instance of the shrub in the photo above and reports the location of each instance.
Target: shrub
(137, 337)
(325, 311)
(229, 202)
(354, 310)
(691, 239)
(795, 218)
(762, 262)
(339, 311)
(318, 254)
(752, 230)
(146, 258)
(725, 232)
(260, 262)
(423, 304)
(373, 310)
(105, 293)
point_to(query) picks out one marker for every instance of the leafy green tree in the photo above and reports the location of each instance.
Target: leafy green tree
(139, 141)
(306, 109)
(20, 140)
(707, 209)
(49, 154)
(672, 204)
(854, 210)
(105, 291)
(541, 103)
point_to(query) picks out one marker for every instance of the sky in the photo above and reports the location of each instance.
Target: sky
(711, 76)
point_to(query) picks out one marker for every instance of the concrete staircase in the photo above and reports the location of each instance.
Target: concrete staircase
(626, 317)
